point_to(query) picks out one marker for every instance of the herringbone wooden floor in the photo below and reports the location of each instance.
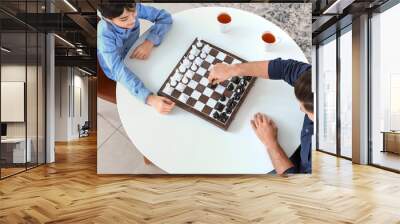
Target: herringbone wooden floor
(69, 191)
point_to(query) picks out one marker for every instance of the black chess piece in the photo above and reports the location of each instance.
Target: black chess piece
(223, 117)
(219, 107)
(216, 115)
(235, 80)
(213, 86)
(239, 90)
(230, 87)
(229, 104)
(228, 110)
(233, 104)
(236, 96)
(243, 82)
(223, 98)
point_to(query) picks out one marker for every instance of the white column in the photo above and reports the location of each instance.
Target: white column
(360, 90)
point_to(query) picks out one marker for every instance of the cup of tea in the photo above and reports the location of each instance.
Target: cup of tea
(270, 40)
(224, 21)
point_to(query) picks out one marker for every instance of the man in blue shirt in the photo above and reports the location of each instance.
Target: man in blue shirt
(296, 74)
(117, 31)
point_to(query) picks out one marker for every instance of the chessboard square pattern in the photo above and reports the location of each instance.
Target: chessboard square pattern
(201, 71)
(200, 88)
(192, 84)
(204, 81)
(211, 102)
(220, 89)
(197, 77)
(180, 87)
(213, 52)
(208, 91)
(221, 56)
(183, 98)
(210, 59)
(207, 110)
(196, 94)
(198, 106)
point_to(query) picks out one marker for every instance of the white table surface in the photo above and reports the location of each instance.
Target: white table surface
(182, 143)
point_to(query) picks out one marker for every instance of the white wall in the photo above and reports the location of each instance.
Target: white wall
(69, 82)
(16, 73)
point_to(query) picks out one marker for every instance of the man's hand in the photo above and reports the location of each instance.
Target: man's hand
(162, 104)
(143, 51)
(265, 130)
(221, 72)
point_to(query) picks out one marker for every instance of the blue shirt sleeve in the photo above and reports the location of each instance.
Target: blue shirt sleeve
(162, 22)
(110, 57)
(287, 70)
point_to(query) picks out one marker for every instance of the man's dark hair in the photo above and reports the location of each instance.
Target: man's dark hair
(114, 8)
(303, 91)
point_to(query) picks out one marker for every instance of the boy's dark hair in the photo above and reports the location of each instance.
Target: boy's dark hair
(303, 91)
(114, 8)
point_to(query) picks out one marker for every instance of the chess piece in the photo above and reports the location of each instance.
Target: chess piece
(186, 63)
(236, 96)
(203, 55)
(219, 107)
(199, 44)
(173, 82)
(223, 117)
(179, 77)
(230, 87)
(194, 51)
(194, 67)
(185, 80)
(243, 82)
(228, 110)
(216, 115)
(198, 61)
(235, 80)
(223, 98)
(191, 57)
(182, 68)
(247, 78)
(189, 74)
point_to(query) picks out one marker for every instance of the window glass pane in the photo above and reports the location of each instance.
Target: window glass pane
(385, 84)
(345, 94)
(13, 86)
(327, 97)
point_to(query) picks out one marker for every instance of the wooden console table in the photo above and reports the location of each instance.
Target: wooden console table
(391, 141)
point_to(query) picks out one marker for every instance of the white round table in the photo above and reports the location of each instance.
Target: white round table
(182, 143)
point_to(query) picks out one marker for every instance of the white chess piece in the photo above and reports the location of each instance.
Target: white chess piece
(185, 80)
(189, 74)
(173, 82)
(191, 57)
(203, 55)
(194, 67)
(198, 61)
(182, 68)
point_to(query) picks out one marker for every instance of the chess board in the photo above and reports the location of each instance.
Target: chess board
(187, 84)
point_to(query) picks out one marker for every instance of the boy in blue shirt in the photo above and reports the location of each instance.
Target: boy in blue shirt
(117, 31)
(296, 74)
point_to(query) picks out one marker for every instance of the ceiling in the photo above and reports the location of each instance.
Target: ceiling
(72, 20)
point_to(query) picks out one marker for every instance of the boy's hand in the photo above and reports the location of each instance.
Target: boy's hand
(221, 72)
(265, 130)
(143, 51)
(162, 104)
